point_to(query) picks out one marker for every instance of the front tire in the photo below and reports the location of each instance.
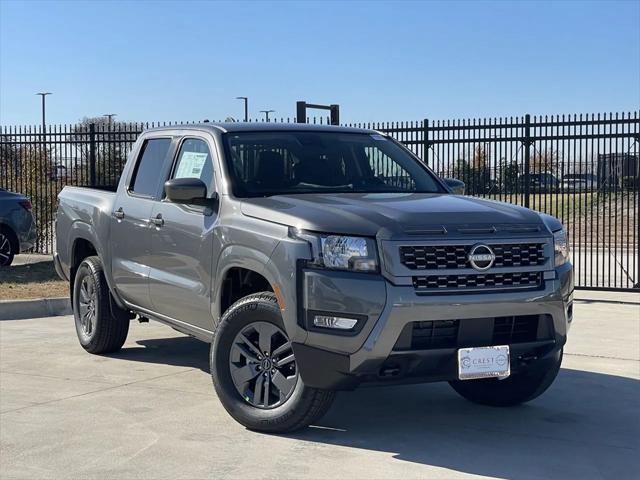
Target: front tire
(254, 370)
(100, 328)
(8, 246)
(514, 390)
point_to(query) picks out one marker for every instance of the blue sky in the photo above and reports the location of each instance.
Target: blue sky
(188, 60)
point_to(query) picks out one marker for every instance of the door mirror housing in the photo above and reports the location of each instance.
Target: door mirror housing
(185, 190)
(456, 186)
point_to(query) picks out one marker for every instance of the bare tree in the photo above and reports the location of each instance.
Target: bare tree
(544, 161)
(111, 141)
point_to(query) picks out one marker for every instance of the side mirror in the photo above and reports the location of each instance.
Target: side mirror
(456, 186)
(185, 190)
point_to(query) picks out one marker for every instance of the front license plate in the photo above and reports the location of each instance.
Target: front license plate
(483, 362)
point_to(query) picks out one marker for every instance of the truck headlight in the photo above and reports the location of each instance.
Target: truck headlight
(560, 247)
(341, 252)
(349, 253)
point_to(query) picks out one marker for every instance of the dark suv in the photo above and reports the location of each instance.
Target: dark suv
(17, 226)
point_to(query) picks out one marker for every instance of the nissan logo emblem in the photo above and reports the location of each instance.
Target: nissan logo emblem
(481, 257)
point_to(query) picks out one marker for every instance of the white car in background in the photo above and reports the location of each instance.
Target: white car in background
(579, 182)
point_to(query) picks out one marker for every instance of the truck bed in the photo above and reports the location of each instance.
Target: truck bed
(83, 208)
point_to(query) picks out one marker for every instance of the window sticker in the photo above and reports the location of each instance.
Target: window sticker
(378, 137)
(191, 165)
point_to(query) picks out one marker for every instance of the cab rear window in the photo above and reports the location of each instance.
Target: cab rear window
(148, 172)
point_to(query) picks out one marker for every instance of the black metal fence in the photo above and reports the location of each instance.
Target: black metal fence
(583, 169)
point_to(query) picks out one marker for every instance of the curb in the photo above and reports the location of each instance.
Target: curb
(595, 296)
(36, 308)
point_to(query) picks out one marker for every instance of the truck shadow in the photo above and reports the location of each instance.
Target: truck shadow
(586, 425)
(178, 351)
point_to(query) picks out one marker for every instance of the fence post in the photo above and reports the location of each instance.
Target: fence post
(92, 154)
(425, 140)
(527, 158)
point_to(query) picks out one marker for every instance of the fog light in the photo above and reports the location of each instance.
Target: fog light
(341, 323)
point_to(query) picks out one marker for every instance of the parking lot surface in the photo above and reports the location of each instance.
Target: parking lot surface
(150, 411)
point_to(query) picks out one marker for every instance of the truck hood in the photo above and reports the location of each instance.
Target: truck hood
(391, 214)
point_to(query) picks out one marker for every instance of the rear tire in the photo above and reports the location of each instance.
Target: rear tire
(8, 246)
(100, 328)
(514, 390)
(271, 397)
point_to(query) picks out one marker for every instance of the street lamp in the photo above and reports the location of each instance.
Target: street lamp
(266, 114)
(246, 107)
(43, 94)
(110, 117)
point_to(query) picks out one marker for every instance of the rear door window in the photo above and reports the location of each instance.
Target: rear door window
(150, 167)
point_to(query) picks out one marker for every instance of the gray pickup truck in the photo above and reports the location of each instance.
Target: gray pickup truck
(315, 259)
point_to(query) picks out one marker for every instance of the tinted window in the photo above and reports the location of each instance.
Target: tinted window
(282, 162)
(386, 171)
(148, 174)
(194, 161)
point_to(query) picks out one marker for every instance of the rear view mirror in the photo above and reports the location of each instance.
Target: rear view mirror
(185, 190)
(456, 186)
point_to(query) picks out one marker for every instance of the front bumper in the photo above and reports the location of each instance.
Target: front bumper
(331, 361)
(29, 237)
(23, 223)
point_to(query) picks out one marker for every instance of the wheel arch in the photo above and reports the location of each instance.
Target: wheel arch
(241, 271)
(83, 242)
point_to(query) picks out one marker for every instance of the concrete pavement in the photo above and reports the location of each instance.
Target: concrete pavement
(149, 411)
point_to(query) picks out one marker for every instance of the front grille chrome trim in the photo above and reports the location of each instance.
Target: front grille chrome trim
(454, 257)
(478, 281)
(539, 266)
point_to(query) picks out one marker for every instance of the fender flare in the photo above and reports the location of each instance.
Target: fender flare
(85, 231)
(237, 256)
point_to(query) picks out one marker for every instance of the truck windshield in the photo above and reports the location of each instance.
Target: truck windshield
(292, 162)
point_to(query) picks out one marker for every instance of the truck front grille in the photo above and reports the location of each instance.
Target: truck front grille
(435, 334)
(428, 257)
(515, 329)
(481, 280)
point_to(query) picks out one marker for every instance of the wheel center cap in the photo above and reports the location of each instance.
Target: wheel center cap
(266, 364)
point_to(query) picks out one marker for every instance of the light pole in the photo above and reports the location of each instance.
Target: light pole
(266, 114)
(110, 117)
(246, 107)
(44, 124)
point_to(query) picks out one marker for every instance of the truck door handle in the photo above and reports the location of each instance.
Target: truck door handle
(158, 221)
(119, 214)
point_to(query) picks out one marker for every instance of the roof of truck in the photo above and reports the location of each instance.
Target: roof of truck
(262, 127)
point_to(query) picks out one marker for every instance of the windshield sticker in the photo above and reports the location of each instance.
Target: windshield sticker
(378, 137)
(191, 165)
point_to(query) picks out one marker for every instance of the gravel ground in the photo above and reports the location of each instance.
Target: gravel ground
(31, 276)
